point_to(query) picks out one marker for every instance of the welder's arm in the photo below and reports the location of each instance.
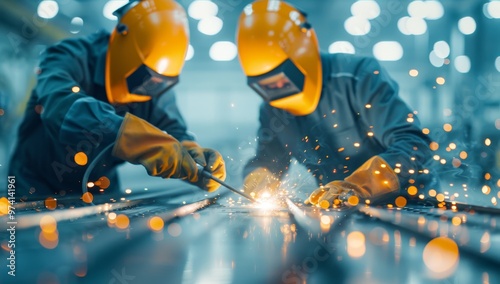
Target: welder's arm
(139, 142)
(374, 179)
(68, 113)
(394, 125)
(263, 172)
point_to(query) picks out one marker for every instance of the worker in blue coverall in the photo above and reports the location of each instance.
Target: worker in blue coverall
(108, 91)
(338, 114)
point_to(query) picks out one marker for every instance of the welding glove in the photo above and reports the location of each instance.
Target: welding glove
(210, 160)
(261, 183)
(139, 142)
(373, 179)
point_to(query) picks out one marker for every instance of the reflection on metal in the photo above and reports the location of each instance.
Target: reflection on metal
(313, 218)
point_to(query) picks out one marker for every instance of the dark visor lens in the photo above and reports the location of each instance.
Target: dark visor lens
(283, 81)
(144, 81)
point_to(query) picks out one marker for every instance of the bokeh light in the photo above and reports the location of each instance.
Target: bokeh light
(156, 223)
(341, 47)
(357, 26)
(47, 9)
(441, 257)
(356, 247)
(467, 25)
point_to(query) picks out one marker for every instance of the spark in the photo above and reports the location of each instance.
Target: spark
(486, 189)
(440, 80)
(412, 190)
(434, 146)
(122, 221)
(447, 127)
(87, 197)
(156, 223)
(50, 203)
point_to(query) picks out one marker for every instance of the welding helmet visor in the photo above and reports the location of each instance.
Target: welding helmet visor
(283, 81)
(147, 82)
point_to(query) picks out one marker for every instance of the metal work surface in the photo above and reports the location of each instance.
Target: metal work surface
(223, 240)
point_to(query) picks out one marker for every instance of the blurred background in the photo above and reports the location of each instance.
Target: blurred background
(444, 54)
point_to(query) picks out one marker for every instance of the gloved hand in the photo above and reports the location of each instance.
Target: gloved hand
(371, 180)
(211, 161)
(260, 182)
(139, 142)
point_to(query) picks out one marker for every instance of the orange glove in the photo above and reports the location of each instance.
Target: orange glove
(211, 161)
(139, 142)
(261, 183)
(371, 180)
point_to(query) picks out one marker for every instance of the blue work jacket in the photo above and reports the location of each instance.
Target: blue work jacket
(68, 112)
(359, 115)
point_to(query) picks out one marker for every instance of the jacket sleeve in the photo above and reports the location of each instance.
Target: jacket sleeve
(70, 114)
(270, 153)
(166, 116)
(392, 122)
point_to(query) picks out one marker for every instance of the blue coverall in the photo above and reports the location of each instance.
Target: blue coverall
(359, 115)
(69, 112)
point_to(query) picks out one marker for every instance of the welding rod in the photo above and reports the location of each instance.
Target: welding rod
(207, 174)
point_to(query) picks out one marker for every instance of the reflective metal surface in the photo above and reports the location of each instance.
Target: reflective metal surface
(220, 239)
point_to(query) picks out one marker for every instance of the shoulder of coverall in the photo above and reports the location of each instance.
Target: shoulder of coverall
(347, 65)
(91, 49)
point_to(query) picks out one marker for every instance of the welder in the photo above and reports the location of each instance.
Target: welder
(111, 91)
(337, 114)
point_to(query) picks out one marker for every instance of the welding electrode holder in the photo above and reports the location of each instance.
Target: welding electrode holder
(207, 174)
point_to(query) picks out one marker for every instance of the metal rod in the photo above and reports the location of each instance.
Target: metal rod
(207, 174)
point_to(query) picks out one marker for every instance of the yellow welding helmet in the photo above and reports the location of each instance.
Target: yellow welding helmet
(146, 50)
(279, 53)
